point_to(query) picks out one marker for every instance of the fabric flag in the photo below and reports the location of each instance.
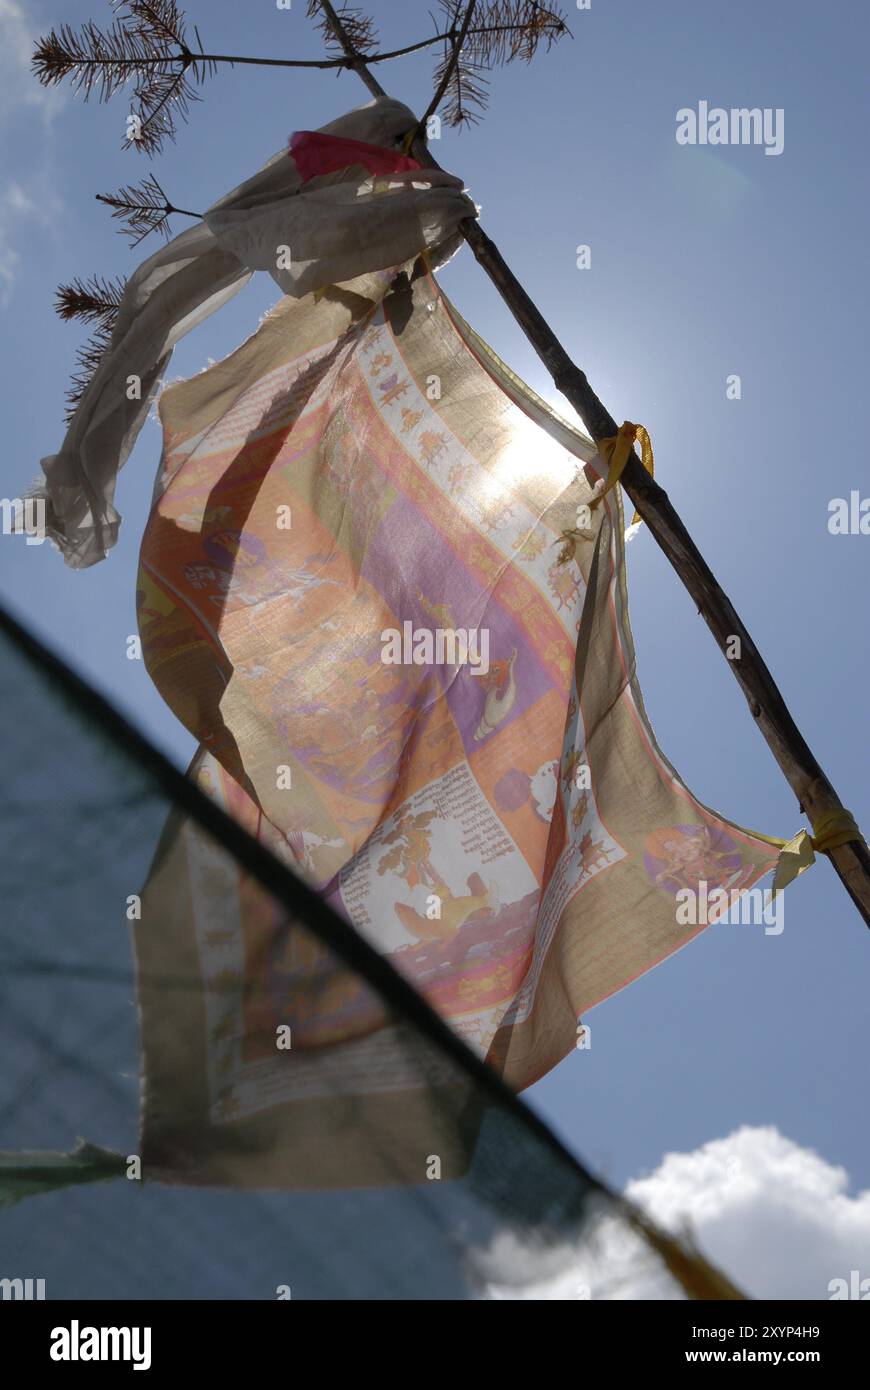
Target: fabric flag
(351, 592)
(373, 586)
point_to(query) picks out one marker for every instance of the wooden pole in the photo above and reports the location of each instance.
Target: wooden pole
(815, 794)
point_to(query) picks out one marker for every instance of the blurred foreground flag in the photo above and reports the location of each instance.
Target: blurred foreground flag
(470, 1195)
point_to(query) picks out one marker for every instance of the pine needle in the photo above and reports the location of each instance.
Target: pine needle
(500, 30)
(88, 359)
(507, 29)
(146, 45)
(96, 301)
(358, 27)
(142, 208)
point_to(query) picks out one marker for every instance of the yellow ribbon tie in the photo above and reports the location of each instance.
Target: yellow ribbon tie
(616, 450)
(831, 830)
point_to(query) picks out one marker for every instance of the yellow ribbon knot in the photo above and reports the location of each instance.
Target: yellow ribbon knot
(615, 452)
(831, 830)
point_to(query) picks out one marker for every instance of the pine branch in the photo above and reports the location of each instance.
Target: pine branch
(52, 56)
(167, 89)
(509, 29)
(503, 30)
(466, 95)
(359, 30)
(332, 26)
(88, 359)
(161, 17)
(143, 208)
(146, 44)
(94, 59)
(458, 76)
(93, 301)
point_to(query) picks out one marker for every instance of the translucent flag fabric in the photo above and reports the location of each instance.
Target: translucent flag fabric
(353, 590)
(306, 232)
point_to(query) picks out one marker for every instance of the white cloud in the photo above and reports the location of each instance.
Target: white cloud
(18, 87)
(16, 203)
(776, 1217)
(20, 94)
(10, 260)
(9, 263)
(19, 201)
(612, 1263)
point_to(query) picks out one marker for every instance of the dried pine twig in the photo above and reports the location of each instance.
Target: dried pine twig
(458, 77)
(88, 358)
(85, 57)
(509, 29)
(146, 44)
(357, 28)
(142, 208)
(93, 301)
(481, 35)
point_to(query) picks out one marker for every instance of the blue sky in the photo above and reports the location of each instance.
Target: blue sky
(706, 261)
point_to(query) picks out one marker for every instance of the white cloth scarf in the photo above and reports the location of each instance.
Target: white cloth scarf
(338, 226)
